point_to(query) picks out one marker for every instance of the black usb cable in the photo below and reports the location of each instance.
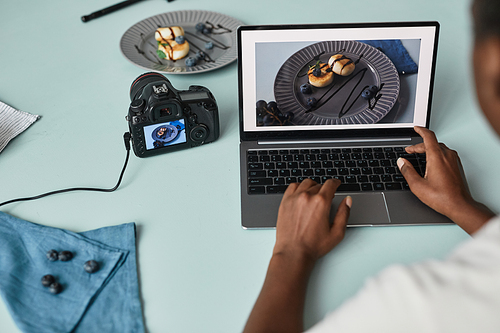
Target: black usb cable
(126, 139)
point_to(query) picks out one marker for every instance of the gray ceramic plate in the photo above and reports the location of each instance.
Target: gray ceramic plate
(139, 45)
(340, 103)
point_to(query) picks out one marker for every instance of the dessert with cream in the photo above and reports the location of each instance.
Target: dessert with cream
(320, 75)
(341, 65)
(172, 44)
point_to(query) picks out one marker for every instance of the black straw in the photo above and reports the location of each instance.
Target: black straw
(109, 9)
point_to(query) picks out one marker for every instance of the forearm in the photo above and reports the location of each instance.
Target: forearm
(471, 216)
(280, 305)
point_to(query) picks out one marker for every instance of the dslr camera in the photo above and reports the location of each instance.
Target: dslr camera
(162, 119)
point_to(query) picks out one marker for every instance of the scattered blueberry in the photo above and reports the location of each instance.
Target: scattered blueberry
(190, 61)
(260, 119)
(200, 55)
(289, 115)
(207, 30)
(261, 104)
(65, 256)
(272, 106)
(317, 72)
(47, 280)
(52, 255)
(306, 88)
(373, 89)
(91, 266)
(311, 101)
(180, 39)
(200, 26)
(367, 94)
(268, 120)
(209, 45)
(55, 288)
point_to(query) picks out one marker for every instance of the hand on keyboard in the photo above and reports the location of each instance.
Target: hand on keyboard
(303, 229)
(443, 187)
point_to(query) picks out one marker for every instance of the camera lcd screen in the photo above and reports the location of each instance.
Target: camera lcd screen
(165, 134)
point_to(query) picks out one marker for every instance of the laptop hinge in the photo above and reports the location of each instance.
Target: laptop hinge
(335, 141)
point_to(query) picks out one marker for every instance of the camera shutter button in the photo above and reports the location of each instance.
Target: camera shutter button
(137, 105)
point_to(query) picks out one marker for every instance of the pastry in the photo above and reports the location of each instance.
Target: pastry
(172, 45)
(341, 65)
(171, 50)
(168, 33)
(324, 78)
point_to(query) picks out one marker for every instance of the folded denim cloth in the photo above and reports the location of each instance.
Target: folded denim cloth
(12, 123)
(395, 51)
(105, 301)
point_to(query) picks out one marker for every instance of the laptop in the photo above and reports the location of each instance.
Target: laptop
(338, 101)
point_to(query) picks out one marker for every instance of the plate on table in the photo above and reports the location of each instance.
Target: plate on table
(138, 43)
(340, 103)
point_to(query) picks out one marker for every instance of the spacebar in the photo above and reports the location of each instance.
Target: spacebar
(348, 187)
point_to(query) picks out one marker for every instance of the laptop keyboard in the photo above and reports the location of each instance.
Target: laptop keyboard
(359, 169)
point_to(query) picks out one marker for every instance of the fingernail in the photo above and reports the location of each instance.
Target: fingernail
(400, 163)
(348, 201)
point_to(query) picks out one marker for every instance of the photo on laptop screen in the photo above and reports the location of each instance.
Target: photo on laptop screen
(336, 78)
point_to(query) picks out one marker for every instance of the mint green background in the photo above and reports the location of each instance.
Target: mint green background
(199, 270)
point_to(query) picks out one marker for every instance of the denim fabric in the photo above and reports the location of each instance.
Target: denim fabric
(395, 51)
(104, 301)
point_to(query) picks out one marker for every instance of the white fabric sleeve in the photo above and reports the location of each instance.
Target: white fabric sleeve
(458, 294)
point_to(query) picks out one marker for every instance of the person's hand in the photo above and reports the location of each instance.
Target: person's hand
(443, 187)
(303, 228)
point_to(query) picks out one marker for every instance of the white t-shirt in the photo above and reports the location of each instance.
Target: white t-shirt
(458, 294)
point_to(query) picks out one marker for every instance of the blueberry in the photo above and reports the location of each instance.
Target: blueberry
(272, 106)
(200, 26)
(260, 120)
(261, 104)
(317, 72)
(180, 39)
(190, 61)
(268, 120)
(373, 89)
(207, 30)
(47, 280)
(55, 288)
(52, 255)
(305, 88)
(311, 101)
(200, 55)
(289, 115)
(91, 266)
(367, 94)
(65, 256)
(209, 45)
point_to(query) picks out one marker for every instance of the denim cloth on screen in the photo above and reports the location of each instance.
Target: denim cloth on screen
(395, 51)
(105, 301)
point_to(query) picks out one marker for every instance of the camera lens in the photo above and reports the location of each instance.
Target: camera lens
(142, 81)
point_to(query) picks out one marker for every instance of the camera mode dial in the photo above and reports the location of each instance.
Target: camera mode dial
(137, 105)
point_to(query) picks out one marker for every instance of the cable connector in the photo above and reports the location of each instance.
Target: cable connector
(127, 137)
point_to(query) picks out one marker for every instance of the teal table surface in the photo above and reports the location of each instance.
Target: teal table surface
(199, 270)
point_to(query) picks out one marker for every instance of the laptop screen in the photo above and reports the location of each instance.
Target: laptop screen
(311, 79)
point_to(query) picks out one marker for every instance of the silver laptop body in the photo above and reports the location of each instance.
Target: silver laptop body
(396, 60)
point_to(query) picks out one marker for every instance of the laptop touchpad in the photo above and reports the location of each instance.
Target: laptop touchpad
(367, 209)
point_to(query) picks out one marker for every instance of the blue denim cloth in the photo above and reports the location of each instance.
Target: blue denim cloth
(395, 51)
(105, 301)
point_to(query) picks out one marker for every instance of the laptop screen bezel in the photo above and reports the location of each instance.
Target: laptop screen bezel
(340, 133)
